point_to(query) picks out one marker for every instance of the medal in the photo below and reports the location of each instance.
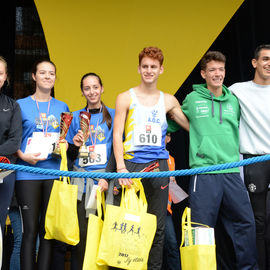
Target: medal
(42, 116)
(91, 148)
(93, 155)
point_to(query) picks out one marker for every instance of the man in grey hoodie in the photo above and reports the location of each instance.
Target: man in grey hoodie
(254, 131)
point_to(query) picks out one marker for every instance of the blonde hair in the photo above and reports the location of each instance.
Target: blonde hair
(3, 60)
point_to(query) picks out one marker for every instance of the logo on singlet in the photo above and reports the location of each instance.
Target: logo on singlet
(154, 118)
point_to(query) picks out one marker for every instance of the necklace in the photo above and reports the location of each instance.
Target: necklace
(41, 115)
(92, 147)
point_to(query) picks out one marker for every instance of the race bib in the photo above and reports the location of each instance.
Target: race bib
(97, 156)
(39, 143)
(147, 134)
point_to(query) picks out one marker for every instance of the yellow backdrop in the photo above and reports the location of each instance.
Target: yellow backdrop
(106, 37)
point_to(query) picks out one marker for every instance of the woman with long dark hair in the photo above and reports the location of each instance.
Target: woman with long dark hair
(98, 151)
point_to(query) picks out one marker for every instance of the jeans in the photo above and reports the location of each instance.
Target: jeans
(6, 191)
(16, 224)
(171, 255)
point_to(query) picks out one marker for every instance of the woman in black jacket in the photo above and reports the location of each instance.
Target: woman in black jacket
(10, 140)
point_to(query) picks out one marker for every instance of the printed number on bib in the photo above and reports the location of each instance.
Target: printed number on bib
(147, 134)
(39, 143)
(100, 156)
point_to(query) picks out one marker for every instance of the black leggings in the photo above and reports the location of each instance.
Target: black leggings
(156, 192)
(33, 197)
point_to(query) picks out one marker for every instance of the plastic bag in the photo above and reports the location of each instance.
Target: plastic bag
(195, 257)
(94, 229)
(61, 221)
(128, 231)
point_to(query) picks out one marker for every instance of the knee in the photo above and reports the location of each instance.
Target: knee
(30, 233)
(17, 240)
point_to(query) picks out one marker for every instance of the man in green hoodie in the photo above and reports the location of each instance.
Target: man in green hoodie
(213, 114)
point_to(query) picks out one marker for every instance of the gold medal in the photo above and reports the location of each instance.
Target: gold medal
(93, 155)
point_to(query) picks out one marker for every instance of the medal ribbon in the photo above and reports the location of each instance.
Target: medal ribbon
(90, 133)
(47, 122)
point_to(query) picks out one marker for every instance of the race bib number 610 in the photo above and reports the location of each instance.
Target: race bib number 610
(147, 134)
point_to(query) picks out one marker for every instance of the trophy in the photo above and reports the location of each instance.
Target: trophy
(65, 121)
(84, 125)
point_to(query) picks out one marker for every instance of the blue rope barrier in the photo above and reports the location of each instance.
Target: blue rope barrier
(109, 175)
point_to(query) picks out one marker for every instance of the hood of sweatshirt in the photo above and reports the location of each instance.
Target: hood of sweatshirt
(203, 91)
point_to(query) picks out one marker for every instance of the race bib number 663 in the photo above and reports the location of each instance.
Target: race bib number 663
(98, 157)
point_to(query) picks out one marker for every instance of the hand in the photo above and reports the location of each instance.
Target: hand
(103, 184)
(62, 141)
(78, 139)
(172, 178)
(32, 158)
(124, 181)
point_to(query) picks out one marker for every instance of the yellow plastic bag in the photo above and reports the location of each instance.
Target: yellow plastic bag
(61, 221)
(128, 232)
(131, 200)
(195, 257)
(94, 229)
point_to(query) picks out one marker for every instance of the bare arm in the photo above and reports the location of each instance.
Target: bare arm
(121, 110)
(175, 112)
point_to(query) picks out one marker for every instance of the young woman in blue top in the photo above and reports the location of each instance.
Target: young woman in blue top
(99, 146)
(40, 120)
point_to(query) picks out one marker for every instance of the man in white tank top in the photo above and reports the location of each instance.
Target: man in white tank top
(254, 134)
(145, 138)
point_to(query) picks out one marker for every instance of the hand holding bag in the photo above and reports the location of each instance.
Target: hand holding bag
(94, 229)
(196, 256)
(128, 231)
(61, 221)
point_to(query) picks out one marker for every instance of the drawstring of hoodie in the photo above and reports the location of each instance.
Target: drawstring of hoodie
(213, 108)
(220, 112)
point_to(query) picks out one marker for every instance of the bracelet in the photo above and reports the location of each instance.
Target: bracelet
(118, 169)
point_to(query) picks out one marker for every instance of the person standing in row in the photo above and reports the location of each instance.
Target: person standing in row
(40, 119)
(254, 131)
(98, 151)
(214, 114)
(141, 117)
(10, 140)
(171, 255)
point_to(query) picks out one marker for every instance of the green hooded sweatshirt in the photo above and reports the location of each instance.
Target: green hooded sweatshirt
(214, 134)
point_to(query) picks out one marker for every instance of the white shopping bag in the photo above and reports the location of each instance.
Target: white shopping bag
(92, 202)
(176, 192)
